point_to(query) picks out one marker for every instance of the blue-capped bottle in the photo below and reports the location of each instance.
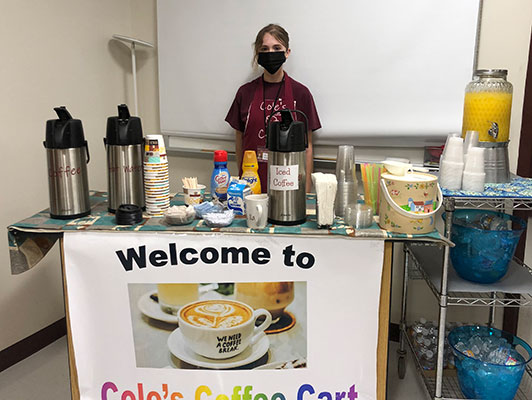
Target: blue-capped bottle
(220, 176)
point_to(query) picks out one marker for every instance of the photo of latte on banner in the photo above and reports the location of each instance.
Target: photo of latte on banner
(244, 325)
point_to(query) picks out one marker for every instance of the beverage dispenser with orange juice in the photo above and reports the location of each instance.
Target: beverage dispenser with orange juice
(487, 108)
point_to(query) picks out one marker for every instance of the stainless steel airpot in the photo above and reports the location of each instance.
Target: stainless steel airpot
(124, 144)
(67, 154)
(287, 142)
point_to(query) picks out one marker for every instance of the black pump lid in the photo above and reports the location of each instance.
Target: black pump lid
(65, 132)
(286, 135)
(124, 130)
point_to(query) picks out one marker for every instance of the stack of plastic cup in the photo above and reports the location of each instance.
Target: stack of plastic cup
(452, 164)
(347, 186)
(474, 175)
(359, 216)
(471, 140)
(156, 179)
(450, 135)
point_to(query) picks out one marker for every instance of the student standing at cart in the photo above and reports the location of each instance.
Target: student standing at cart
(256, 101)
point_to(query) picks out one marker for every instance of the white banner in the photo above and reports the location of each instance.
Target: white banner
(316, 299)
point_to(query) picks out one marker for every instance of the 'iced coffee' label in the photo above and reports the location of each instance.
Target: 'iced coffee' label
(284, 177)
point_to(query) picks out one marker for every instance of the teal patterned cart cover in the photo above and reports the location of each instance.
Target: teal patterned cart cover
(31, 238)
(518, 188)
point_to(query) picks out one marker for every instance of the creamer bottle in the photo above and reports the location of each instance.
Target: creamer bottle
(249, 171)
(220, 176)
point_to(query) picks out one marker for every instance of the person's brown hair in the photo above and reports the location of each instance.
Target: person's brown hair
(276, 31)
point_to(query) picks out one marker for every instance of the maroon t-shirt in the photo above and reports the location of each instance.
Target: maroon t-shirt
(238, 113)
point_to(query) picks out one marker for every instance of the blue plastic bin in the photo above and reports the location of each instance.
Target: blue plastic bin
(483, 380)
(482, 255)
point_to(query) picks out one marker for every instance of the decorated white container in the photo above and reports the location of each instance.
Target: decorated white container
(408, 203)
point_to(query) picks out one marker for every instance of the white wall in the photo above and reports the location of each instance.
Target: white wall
(505, 40)
(504, 43)
(55, 52)
(144, 13)
(93, 76)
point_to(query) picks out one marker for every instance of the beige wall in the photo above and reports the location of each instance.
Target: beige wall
(55, 52)
(505, 44)
(59, 52)
(505, 40)
(181, 165)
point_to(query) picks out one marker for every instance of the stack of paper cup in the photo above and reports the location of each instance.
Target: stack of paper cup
(156, 179)
(452, 164)
(474, 174)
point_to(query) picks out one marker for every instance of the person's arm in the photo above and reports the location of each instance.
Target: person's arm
(310, 163)
(238, 149)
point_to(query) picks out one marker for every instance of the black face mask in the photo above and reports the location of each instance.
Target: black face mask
(271, 61)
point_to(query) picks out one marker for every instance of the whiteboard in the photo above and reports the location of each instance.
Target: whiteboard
(375, 68)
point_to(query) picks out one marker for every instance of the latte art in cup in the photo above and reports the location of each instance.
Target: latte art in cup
(221, 328)
(216, 314)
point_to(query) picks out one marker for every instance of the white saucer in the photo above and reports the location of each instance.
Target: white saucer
(151, 308)
(177, 347)
(281, 365)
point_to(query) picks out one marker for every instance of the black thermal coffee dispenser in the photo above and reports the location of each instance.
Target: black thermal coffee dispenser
(287, 142)
(67, 154)
(125, 147)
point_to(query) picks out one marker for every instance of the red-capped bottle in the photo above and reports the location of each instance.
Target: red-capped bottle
(220, 176)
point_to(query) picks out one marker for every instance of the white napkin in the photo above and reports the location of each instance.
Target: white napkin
(325, 186)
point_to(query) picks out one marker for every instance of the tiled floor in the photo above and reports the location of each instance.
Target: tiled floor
(409, 388)
(44, 376)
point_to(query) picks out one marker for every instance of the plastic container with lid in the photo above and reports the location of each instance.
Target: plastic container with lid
(487, 105)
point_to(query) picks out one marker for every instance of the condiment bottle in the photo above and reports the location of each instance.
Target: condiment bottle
(250, 167)
(220, 176)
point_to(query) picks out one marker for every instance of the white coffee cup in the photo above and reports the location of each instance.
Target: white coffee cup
(257, 211)
(221, 328)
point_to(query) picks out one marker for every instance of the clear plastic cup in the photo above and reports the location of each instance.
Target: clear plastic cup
(471, 140)
(474, 161)
(347, 185)
(454, 149)
(359, 216)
